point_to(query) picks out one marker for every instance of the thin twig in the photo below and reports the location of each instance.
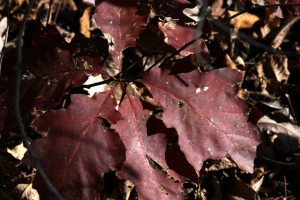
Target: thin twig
(97, 83)
(291, 108)
(202, 13)
(58, 9)
(252, 42)
(254, 7)
(49, 12)
(241, 35)
(285, 188)
(17, 112)
(164, 57)
(111, 78)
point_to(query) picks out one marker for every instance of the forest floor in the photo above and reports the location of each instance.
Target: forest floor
(259, 39)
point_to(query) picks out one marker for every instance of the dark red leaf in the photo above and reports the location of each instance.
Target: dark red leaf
(203, 108)
(78, 149)
(121, 25)
(179, 28)
(50, 67)
(150, 183)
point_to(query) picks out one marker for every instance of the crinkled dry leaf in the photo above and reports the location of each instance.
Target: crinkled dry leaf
(288, 133)
(26, 192)
(224, 163)
(257, 178)
(239, 190)
(18, 151)
(243, 21)
(85, 22)
(283, 33)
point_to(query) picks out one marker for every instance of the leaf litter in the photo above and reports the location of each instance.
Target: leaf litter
(93, 146)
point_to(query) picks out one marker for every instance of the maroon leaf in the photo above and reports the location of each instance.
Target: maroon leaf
(176, 24)
(120, 23)
(150, 183)
(78, 149)
(50, 67)
(206, 113)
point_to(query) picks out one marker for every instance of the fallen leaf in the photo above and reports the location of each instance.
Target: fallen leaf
(120, 24)
(277, 41)
(180, 18)
(26, 192)
(78, 149)
(239, 190)
(85, 22)
(18, 151)
(141, 149)
(288, 133)
(243, 21)
(57, 67)
(207, 112)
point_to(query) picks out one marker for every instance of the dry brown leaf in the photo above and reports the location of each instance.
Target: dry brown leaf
(243, 21)
(257, 178)
(18, 151)
(229, 63)
(240, 190)
(26, 192)
(279, 65)
(271, 23)
(20, 2)
(217, 188)
(272, 67)
(224, 163)
(288, 133)
(283, 32)
(193, 12)
(237, 64)
(217, 8)
(85, 22)
(127, 189)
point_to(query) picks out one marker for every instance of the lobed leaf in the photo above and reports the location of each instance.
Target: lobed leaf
(121, 25)
(203, 108)
(141, 149)
(78, 149)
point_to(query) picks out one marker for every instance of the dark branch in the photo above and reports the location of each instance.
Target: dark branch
(20, 124)
(254, 7)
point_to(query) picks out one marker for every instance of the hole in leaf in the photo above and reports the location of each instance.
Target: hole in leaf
(180, 104)
(105, 122)
(154, 164)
